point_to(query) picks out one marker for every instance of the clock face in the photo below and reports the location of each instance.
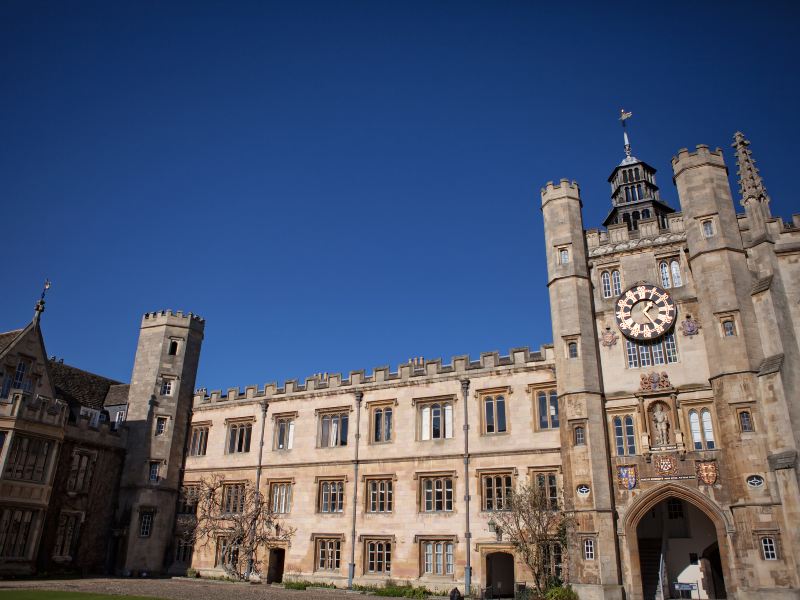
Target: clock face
(645, 312)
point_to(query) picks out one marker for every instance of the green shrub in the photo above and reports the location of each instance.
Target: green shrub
(561, 593)
(192, 573)
(301, 584)
(393, 590)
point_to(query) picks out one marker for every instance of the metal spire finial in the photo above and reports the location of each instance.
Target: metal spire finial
(39, 308)
(751, 186)
(624, 116)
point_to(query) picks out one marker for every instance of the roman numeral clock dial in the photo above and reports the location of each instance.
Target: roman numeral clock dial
(645, 312)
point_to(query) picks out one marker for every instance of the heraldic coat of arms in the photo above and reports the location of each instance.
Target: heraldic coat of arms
(665, 464)
(627, 476)
(707, 471)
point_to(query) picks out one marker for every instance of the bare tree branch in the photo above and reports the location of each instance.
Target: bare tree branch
(236, 518)
(533, 525)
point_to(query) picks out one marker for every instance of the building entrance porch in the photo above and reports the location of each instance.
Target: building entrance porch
(676, 545)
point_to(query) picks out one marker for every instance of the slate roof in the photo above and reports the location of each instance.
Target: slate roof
(117, 395)
(77, 386)
(8, 337)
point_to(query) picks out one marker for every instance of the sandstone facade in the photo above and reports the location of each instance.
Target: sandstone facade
(665, 415)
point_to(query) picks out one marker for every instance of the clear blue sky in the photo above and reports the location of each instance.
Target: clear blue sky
(342, 185)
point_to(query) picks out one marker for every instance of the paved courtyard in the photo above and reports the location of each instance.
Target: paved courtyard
(179, 589)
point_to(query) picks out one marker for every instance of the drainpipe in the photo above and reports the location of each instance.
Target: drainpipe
(351, 568)
(251, 559)
(467, 534)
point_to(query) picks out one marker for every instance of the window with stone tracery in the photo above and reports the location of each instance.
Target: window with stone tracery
(702, 429)
(547, 406)
(435, 420)
(657, 352)
(624, 435)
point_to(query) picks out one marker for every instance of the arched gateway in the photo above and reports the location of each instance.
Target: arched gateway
(676, 544)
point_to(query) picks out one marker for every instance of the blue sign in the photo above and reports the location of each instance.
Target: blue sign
(685, 587)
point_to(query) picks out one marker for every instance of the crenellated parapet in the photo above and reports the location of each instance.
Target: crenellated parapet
(563, 189)
(411, 371)
(175, 318)
(700, 157)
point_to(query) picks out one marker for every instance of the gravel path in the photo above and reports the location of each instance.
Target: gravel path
(180, 589)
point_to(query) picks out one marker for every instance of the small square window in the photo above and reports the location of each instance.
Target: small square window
(166, 387)
(728, 328)
(161, 425)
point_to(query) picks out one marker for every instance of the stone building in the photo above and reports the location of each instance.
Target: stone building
(665, 415)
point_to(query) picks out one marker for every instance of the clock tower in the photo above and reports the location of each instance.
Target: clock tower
(692, 375)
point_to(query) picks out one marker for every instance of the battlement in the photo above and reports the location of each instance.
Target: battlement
(414, 369)
(564, 189)
(701, 156)
(171, 317)
(619, 238)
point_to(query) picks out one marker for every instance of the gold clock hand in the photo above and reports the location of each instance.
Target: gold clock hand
(646, 314)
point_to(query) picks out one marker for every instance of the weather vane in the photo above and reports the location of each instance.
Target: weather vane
(47, 285)
(39, 308)
(624, 116)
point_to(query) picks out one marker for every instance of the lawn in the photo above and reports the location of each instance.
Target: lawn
(47, 595)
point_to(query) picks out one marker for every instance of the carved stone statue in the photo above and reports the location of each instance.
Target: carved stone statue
(661, 423)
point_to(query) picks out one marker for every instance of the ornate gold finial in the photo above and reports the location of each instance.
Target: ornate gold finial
(624, 116)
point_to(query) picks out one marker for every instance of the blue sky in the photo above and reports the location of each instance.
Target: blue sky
(342, 185)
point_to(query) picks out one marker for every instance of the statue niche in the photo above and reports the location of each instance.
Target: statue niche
(659, 417)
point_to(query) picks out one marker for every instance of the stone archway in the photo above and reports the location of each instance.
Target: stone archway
(500, 574)
(645, 503)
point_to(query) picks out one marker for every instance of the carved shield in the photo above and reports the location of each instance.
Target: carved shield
(627, 477)
(707, 471)
(665, 464)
